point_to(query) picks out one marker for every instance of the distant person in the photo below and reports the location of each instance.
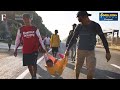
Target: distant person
(47, 42)
(73, 48)
(32, 41)
(9, 43)
(55, 43)
(86, 31)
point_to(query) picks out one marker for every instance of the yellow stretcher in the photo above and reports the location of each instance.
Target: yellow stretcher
(59, 65)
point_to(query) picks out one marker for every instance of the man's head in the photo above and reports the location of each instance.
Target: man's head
(56, 31)
(26, 18)
(81, 15)
(74, 25)
(49, 63)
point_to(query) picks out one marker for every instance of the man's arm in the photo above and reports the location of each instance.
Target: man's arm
(104, 40)
(102, 37)
(17, 41)
(73, 38)
(68, 38)
(105, 43)
(40, 39)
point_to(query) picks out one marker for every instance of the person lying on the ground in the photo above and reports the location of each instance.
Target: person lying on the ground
(56, 66)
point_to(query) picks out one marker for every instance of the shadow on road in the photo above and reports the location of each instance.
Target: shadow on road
(44, 74)
(72, 66)
(69, 65)
(99, 74)
(105, 74)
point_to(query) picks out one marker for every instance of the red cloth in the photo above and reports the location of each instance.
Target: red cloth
(61, 55)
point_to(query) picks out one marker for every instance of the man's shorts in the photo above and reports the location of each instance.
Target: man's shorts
(30, 59)
(89, 56)
(54, 49)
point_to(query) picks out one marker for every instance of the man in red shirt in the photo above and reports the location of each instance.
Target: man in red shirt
(31, 39)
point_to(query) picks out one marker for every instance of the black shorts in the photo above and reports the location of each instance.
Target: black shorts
(54, 49)
(47, 45)
(30, 59)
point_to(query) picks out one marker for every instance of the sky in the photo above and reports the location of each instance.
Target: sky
(63, 21)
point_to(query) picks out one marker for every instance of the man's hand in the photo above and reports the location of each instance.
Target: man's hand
(108, 56)
(66, 53)
(44, 51)
(15, 53)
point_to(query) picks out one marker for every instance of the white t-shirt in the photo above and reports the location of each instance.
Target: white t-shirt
(47, 40)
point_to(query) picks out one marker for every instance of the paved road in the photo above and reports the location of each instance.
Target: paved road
(11, 67)
(5, 46)
(104, 69)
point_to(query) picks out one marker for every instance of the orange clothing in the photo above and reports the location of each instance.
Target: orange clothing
(58, 67)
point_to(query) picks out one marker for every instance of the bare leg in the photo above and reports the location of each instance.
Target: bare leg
(9, 45)
(32, 70)
(55, 54)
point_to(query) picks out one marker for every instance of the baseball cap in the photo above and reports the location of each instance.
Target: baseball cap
(83, 13)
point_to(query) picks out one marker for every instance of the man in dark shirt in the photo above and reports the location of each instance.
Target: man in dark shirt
(73, 49)
(87, 31)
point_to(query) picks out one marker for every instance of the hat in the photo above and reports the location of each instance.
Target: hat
(26, 15)
(83, 13)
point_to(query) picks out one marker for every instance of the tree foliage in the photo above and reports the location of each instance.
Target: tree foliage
(15, 24)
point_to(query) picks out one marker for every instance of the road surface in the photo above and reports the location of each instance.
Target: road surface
(11, 67)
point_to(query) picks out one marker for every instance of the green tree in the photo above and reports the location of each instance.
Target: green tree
(15, 24)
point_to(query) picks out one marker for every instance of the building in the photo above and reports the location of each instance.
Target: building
(112, 37)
